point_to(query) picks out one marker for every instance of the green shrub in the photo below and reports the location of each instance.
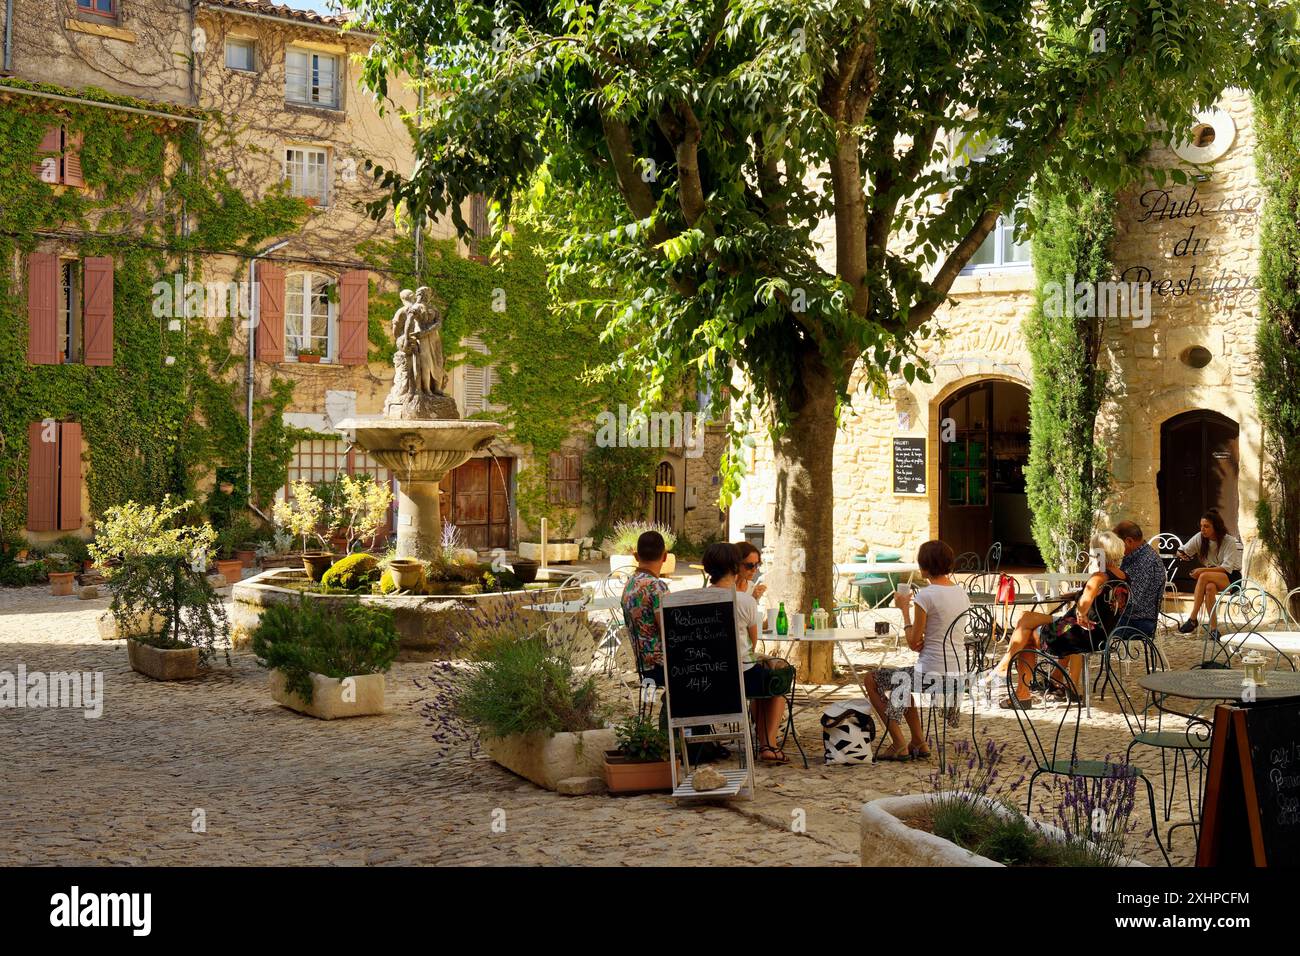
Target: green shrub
(353, 573)
(321, 637)
(627, 532)
(642, 739)
(386, 583)
(15, 575)
(519, 685)
(166, 586)
(77, 550)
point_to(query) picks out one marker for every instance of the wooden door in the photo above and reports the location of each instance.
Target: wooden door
(665, 496)
(965, 503)
(1198, 471)
(476, 498)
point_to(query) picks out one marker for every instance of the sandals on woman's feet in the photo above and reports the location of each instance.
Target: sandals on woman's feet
(901, 756)
(777, 754)
(916, 753)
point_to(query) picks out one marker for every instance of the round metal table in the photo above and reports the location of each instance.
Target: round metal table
(1220, 685)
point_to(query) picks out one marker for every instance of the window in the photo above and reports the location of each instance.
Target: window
(70, 310)
(319, 460)
(999, 250)
(58, 158)
(309, 315)
(564, 478)
(239, 54)
(311, 78)
(479, 380)
(104, 8)
(307, 170)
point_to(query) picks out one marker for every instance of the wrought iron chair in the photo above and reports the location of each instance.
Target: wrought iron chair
(1188, 749)
(1056, 752)
(846, 605)
(993, 560)
(1291, 604)
(968, 643)
(780, 682)
(1167, 545)
(1247, 618)
(968, 562)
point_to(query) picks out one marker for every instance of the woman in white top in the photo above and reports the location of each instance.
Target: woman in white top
(722, 565)
(936, 607)
(1220, 557)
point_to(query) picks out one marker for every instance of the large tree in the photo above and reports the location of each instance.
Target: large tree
(692, 148)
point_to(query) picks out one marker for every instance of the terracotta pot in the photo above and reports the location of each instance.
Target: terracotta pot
(61, 582)
(247, 556)
(316, 563)
(309, 359)
(631, 776)
(525, 570)
(232, 569)
(406, 572)
(22, 554)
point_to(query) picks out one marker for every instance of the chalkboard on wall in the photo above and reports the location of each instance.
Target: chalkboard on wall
(909, 465)
(1251, 813)
(701, 656)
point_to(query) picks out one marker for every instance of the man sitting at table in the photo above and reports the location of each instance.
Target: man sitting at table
(1146, 579)
(641, 597)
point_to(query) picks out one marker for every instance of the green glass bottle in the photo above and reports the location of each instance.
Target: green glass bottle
(782, 622)
(816, 614)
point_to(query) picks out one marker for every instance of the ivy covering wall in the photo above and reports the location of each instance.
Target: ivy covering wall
(1067, 477)
(1277, 341)
(142, 433)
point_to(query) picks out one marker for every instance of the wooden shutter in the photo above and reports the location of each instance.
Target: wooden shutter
(270, 313)
(50, 148)
(354, 317)
(475, 387)
(97, 312)
(69, 476)
(72, 174)
(43, 309)
(42, 477)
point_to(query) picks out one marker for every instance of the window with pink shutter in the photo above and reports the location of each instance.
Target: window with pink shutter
(270, 313)
(354, 317)
(43, 309)
(58, 158)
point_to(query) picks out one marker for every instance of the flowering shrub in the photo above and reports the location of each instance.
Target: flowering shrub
(138, 530)
(356, 508)
(301, 514)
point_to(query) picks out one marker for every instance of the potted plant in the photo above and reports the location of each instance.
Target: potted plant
(534, 713)
(305, 516)
(191, 617)
(61, 573)
(407, 573)
(310, 356)
(327, 660)
(640, 762)
(622, 550)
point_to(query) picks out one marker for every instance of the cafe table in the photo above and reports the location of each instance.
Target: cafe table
(1054, 579)
(1219, 684)
(839, 637)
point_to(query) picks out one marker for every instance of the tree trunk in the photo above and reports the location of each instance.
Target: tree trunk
(803, 522)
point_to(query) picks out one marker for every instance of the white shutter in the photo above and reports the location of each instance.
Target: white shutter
(474, 389)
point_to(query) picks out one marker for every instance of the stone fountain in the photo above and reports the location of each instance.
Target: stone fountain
(421, 436)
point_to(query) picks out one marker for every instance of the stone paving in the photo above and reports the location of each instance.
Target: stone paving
(276, 787)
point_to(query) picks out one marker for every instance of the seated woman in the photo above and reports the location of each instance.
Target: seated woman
(937, 606)
(1220, 557)
(751, 559)
(722, 565)
(1076, 631)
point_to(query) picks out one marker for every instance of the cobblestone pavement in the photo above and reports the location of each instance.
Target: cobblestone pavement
(280, 788)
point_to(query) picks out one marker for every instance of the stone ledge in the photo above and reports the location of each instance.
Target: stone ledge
(99, 30)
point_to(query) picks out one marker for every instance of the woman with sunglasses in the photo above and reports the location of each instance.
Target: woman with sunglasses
(750, 562)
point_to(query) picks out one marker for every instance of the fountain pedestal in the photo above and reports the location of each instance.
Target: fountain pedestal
(419, 453)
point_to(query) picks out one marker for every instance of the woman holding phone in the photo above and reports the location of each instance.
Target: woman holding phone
(1219, 554)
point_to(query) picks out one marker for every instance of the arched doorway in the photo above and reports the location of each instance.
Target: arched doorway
(1198, 470)
(666, 496)
(984, 447)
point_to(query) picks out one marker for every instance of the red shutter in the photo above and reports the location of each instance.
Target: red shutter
(270, 313)
(72, 174)
(43, 309)
(354, 317)
(97, 312)
(69, 476)
(42, 476)
(50, 148)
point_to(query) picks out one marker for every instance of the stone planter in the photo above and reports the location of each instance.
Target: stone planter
(888, 840)
(556, 551)
(548, 760)
(147, 622)
(180, 664)
(636, 776)
(232, 569)
(61, 582)
(327, 698)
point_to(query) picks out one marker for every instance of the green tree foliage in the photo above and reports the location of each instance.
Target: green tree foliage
(1277, 340)
(687, 151)
(1067, 478)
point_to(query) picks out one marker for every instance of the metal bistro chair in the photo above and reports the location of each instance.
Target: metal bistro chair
(1252, 615)
(1188, 749)
(993, 561)
(968, 562)
(1056, 752)
(846, 606)
(967, 642)
(780, 682)
(1167, 545)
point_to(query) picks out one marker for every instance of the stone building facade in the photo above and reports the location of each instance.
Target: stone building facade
(1180, 426)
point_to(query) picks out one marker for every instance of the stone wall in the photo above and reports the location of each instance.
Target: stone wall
(1151, 383)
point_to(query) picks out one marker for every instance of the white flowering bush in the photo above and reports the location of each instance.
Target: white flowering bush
(303, 514)
(357, 509)
(133, 530)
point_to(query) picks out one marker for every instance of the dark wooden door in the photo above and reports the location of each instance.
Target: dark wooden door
(476, 499)
(665, 496)
(965, 503)
(1198, 471)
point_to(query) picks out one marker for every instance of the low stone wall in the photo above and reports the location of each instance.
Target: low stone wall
(429, 625)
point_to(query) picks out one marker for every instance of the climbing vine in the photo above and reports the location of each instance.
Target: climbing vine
(143, 435)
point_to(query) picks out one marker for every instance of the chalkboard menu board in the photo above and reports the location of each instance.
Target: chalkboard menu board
(701, 657)
(1251, 813)
(909, 465)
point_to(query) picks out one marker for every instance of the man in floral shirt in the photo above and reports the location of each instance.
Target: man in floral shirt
(641, 599)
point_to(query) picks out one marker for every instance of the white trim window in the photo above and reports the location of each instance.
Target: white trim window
(310, 318)
(311, 78)
(479, 380)
(999, 250)
(307, 170)
(241, 54)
